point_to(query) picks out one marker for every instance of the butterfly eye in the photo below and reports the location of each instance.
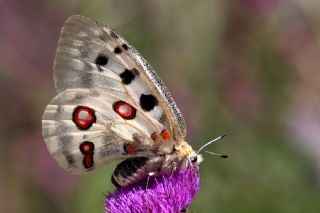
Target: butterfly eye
(101, 60)
(194, 159)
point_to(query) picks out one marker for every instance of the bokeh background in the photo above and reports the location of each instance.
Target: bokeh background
(247, 68)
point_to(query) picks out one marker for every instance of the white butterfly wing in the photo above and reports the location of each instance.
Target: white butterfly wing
(82, 41)
(103, 81)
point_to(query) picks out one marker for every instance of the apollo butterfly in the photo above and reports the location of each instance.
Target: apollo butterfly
(111, 105)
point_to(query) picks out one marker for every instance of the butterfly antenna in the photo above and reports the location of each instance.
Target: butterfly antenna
(210, 142)
(217, 154)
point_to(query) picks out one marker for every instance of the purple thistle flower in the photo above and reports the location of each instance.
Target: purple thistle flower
(166, 193)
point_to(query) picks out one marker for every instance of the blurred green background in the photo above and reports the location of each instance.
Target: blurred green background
(247, 68)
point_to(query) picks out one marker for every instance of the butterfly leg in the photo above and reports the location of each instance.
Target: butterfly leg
(150, 174)
(189, 162)
(174, 167)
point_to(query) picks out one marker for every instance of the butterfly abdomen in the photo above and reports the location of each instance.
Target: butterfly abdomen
(129, 171)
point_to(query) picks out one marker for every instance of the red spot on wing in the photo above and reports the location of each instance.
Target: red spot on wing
(154, 137)
(87, 149)
(88, 161)
(165, 134)
(83, 117)
(130, 149)
(125, 110)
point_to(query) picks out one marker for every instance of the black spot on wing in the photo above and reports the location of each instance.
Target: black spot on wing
(101, 60)
(125, 46)
(117, 50)
(127, 76)
(148, 102)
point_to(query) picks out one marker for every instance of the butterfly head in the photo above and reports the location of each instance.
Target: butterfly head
(184, 150)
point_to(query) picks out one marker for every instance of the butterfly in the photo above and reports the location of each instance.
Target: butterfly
(111, 105)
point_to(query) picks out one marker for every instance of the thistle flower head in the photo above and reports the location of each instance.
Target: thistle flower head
(165, 193)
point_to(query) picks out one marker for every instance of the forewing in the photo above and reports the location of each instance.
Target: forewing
(91, 55)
